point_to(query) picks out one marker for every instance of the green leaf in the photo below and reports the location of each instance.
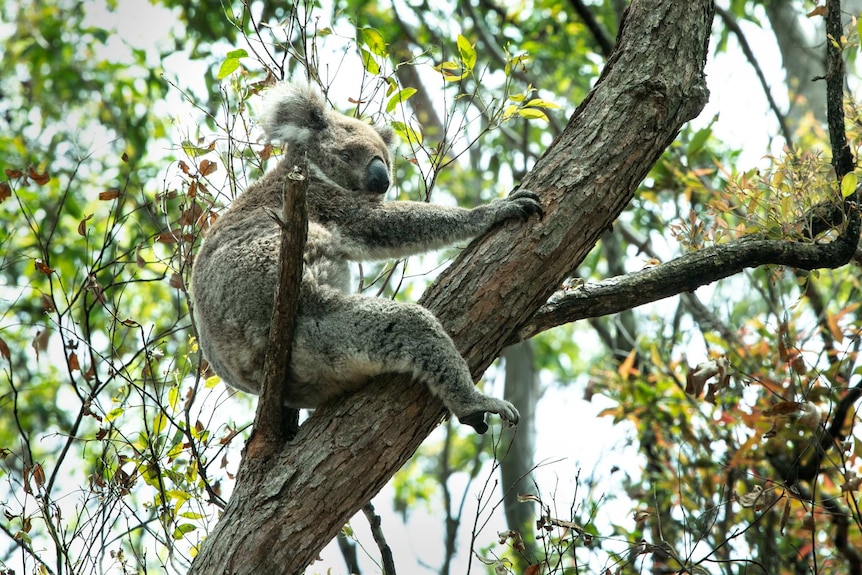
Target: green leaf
(237, 54)
(540, 103)
(848, 184)
(182, 529)
(231, 63)
(368, 62)
(399, 97)
(375, 42)
(227, 68)
(467, 52)
(115, 413)
(532, 114)
(159, 422)
(192, 150)
(407, 133)
(509, 111)
(698, 140)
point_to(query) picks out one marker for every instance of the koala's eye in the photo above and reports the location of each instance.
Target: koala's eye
(345, 156)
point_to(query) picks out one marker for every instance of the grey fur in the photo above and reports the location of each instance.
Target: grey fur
(341, 339)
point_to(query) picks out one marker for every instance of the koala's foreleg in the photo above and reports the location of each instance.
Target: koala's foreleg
(359, 335)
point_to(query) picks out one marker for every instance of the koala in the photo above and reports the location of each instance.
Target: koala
(341, 339)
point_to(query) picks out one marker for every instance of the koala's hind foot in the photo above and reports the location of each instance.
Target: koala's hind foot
(504, 409)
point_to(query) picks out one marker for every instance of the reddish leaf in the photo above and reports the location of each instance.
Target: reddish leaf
(27, 488)
(4, 350)
(167, 238)
(40, 179)
(43, 267)
(783, 408)
(627, 367)
(207, 167)
(5, 191)
(266, 152)
(818, 11)
(785, 515)
(82, 226)
(40, 342)
(39, 475)
(13, 174)
(191, 216)
(111, 194)
(176, 281)
(48, 303)
(73, 362)
(184, 167)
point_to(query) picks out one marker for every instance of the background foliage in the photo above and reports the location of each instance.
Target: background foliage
(734, 408)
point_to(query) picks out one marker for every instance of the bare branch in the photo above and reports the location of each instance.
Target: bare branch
(603, 39)
(684, 274)
(380, 539)
(733, 26)
(272, 426)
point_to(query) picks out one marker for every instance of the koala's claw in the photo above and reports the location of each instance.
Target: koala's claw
(476, 421)
(528, 203)
(504, 409)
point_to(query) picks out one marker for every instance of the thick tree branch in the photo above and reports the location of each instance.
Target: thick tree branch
(684, 274)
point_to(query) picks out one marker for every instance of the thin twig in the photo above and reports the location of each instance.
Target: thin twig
(380, 539)
(601, 36)
(733, 26)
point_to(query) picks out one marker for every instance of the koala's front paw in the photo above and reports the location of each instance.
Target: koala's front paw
(504, 409)
(523, 204)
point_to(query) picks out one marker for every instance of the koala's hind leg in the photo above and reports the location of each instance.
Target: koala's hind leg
(375, 336)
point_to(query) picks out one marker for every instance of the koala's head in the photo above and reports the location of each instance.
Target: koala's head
(343, 150)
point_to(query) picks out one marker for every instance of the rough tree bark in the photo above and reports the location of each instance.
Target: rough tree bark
(286, 507)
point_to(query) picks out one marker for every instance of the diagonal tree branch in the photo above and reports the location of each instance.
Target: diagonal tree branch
(685, 274)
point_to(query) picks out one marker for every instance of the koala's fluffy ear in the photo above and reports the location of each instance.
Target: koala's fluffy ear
(292, 112)
(388, 135)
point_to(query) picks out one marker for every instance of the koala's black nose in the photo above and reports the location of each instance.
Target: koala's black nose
(377, 177)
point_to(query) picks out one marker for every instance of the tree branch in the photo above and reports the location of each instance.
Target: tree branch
(273, 423)
(684, 274)
(733, 26)
(600, 35)
(380, 539)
